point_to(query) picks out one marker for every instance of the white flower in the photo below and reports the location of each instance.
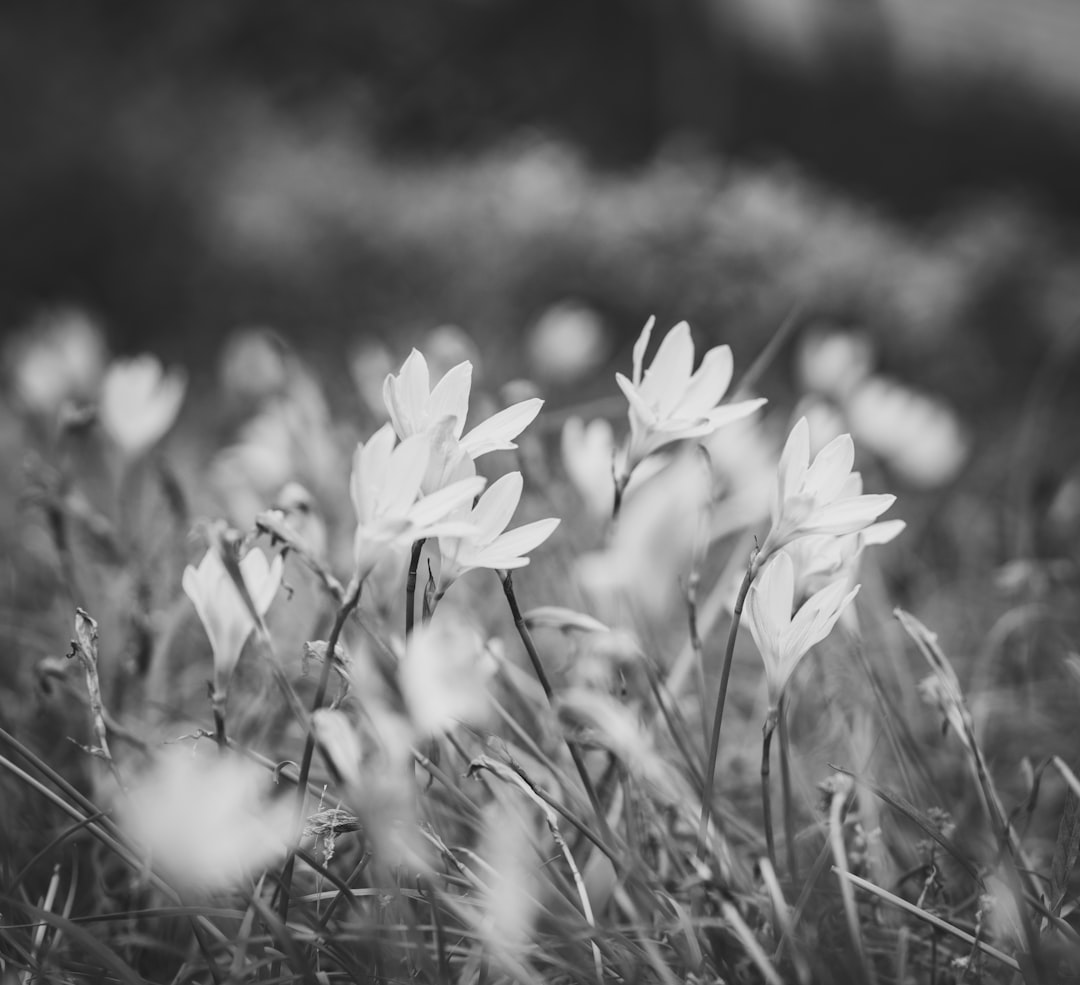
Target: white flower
(444, 674)
(817, 498)
(208, 821)
(587, 453)
(139, 403)
(385, 486)
(781, 638)
(490, 545)
(918, 437)
(567, 343)
(670, 402)
(222, 611)
(832, 362)
(417, 408)
(59, 358)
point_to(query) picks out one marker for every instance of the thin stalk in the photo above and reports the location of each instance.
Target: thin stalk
(785, 783)
(343, 613)
(410, 586)
(718, 714)
(218, 705)
(766, 794)
(549, 693)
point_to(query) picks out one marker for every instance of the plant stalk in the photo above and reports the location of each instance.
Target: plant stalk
(766, 794)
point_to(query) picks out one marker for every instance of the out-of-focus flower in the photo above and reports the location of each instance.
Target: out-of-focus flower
(416, 407)
(385, 486)
(567, 343)
(208, 822)
(918, 437)
(448, 345)
(784, 639)
(140, 402)
(670, 402)
(588, 452)
(491, 545)
(833, 362)
(653, 543)
(369, 364)
(340, 742)
(58, 359)
(222, 611)
(815, 498)
(253, 367)
(444, 674)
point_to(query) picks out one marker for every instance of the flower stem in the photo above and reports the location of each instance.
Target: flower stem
(766, 795)
(217, 703)
(785, 783)
(718, 714)
(410, 587)
(541, 676)
(347, 607)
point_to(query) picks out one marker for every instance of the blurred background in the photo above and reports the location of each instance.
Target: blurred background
(378, 168)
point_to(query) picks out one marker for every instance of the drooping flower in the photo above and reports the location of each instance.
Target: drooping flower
(139, 403)
(417, 408)
(385, 487)
(222, 611)
(669, 401)
(784, 639)
(490, 545)
(817, 498)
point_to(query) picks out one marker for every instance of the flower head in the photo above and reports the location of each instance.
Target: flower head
(784, 639)
(490, 545)
(669, 402)
(817, 498)
(140, 402)
(390, 512)
(416, 407)
(222, 611)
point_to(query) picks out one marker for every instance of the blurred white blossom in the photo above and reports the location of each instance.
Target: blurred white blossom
(918, 437)
(59, 358)
(207, 821)
(252, 367)
(444, 674)
(832, 362)
(588, 452)
(140, 402)
(567, 343)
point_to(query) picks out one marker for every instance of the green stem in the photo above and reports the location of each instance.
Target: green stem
(766, 794)
(343, 613)
(718, 714)
(541, 676)
(785, 782)
(410, 587)
(218, 705)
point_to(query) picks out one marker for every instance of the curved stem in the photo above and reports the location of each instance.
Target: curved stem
(343, 613)
(766, 795)
(785, 784)
(410, 586)
(541, 676)
(718, 714)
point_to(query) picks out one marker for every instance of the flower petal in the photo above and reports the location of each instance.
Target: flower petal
(830, 470)
(496, 507)
(404, 474)
(794, 460)
(709, 384)
(431, 509)
(845, 516)
(640, 347)
(523, 539)
(497, 432)
(666, 378)
(450, 396)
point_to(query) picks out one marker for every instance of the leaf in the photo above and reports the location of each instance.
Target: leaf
(1066, 851)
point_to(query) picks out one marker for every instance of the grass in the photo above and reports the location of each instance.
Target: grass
(567, 830)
